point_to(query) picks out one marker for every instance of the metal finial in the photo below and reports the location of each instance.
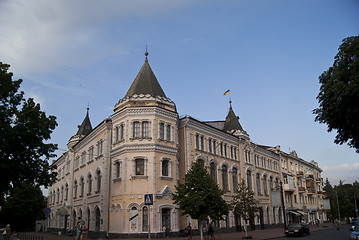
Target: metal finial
(146, 54)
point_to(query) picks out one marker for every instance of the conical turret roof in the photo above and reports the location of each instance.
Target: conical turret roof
(146, 83)
(232, 121)
(85, 127)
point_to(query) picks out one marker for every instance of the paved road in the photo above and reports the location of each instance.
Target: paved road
(272, 233)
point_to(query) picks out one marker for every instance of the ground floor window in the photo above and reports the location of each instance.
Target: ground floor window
(98, 220)
(166, 217)
(145, 219)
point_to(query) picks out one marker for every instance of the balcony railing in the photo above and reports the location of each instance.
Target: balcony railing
(309, 177)
(301, 189)
(311, 190)
(300, 174)
(288, 187)
(320, 193)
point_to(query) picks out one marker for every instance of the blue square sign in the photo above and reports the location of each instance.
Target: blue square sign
(148, 199)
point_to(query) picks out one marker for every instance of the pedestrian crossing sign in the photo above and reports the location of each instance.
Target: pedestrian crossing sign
(148, 199)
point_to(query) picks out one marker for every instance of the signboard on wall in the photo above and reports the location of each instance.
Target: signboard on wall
(275, 199)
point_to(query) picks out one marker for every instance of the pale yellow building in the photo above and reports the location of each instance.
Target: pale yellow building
(145, 148)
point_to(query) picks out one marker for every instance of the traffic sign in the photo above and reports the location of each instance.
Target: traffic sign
(148, 199)
(47, 210)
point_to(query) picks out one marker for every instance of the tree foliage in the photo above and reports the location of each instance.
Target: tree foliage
(339, 94)
(23, 129)
(23, 207)
(243, 203)
(343, 197)
(199, 196)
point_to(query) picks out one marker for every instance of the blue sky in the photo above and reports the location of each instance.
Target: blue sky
(269, 53)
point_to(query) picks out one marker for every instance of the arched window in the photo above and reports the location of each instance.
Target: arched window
(62, 193)
(82, 183)
(145, 219)
(265, 190)
(66, 191)
(249, 180)
(271, 183)
(201, 162)
(98, 178)
(276, 183)
(75, 189)
(213, 171)
(225, 178)
(98, 219)
(235, 179)
(258, 182)
(89, 180)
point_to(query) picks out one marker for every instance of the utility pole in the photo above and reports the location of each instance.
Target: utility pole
(336, 193)
(356, 206)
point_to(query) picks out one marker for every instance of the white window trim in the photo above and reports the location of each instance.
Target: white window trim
(170, 163)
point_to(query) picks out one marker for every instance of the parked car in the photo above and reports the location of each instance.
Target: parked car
(355, 232)
(297, 229)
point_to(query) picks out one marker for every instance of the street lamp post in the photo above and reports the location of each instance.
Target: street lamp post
(356, 206)
(283, 207)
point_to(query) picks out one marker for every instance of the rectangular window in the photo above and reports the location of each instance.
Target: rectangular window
(136, 129)
(221, 148)
(140, 167)
(225, 150)
(210, 145)
(99, 148)
(168, 133)
(121, 132)
(77, 160)
(162, 131)
(145, 129)
(90, 153)
(214, 147)
(118, 170)
(117, 134)
(197, 141)
(83, 158)
(165, 168)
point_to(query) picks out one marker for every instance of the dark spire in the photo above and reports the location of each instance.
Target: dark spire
(232, 121)
(146, 82)
(85, 127)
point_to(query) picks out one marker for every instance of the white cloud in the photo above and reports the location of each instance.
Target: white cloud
(341, 167)
(344, 172)
(41, 35)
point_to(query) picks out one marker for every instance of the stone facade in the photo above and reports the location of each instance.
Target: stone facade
(145, 148)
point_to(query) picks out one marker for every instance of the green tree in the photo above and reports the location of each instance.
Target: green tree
(23, 207)
(23, 129)
(243, 203)
(199, 196)
(339, 95)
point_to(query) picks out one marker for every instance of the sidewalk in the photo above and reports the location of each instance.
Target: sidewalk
(269, 233)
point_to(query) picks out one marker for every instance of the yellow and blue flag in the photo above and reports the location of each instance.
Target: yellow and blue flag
(226, 92)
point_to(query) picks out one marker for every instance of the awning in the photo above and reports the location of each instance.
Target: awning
(295, 213)
(300, 212)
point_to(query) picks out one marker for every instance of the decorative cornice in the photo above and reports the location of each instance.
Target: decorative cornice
(131, 148)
